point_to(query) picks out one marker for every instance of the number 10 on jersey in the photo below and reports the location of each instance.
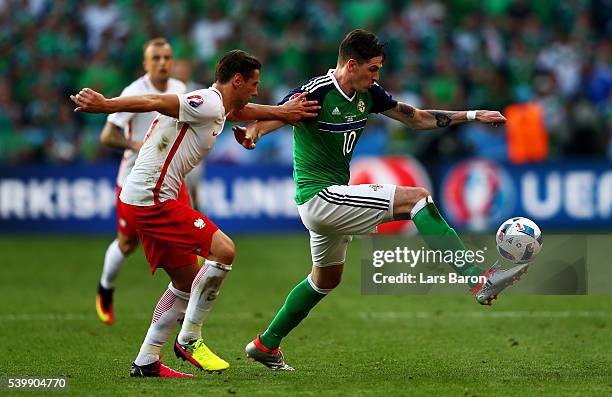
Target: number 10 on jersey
(349, 142)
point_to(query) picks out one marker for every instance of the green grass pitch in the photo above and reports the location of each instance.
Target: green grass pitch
(350, 345)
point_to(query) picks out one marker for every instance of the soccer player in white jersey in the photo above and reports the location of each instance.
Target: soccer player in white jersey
(183, 70)
(158, 65)
(170, 231)
(332, 210)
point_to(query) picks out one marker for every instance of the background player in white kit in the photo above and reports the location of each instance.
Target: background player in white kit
(158, 65)
(171, 231)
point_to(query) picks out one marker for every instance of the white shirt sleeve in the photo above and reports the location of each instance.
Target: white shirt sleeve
(200, 106)
(121, 119)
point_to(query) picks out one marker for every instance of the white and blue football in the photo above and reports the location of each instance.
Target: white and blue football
(519, 240)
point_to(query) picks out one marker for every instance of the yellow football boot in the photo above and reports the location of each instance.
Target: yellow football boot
(197, 353)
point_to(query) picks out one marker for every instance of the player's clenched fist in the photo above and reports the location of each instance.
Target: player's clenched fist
(88, 100)
(490, 117)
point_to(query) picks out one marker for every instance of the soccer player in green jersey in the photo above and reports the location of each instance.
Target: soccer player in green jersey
(332, 210)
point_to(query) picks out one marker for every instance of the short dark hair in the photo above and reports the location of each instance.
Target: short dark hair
(361, 46)
(236, 61)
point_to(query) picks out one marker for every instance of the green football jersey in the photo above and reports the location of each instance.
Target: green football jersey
(323, 145)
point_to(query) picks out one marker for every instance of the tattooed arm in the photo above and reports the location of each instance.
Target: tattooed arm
(428, 119)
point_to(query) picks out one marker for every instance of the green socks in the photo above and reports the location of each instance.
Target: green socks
(299, 302)
(439, 236)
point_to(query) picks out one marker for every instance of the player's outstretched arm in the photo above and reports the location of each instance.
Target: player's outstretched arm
(111, 136)
(290, 112)
(90, 101)
(428, 119)
(249, 135)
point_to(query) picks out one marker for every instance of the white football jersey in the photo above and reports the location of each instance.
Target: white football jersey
(174, 147)
(136, 125)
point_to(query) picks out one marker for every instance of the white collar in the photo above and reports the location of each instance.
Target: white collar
(148, 81)
(220, 97)
(331, 73)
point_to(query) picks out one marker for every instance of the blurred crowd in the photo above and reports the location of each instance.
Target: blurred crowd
(456, 54)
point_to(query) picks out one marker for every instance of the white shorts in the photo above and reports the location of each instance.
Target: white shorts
(338, 212)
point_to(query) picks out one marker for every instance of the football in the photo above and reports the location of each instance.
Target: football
(519, 240)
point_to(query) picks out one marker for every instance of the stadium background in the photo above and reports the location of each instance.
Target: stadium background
(547, 65)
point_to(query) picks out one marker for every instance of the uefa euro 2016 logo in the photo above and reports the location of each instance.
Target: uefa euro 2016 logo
(195, 100)
(477, 194)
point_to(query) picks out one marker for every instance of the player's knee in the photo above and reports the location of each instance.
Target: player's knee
(226, 252)
(412, 195)
(127, 245)
(222, 249)
(420, 193)
(327, 279)
(183, 284)
(331, 282)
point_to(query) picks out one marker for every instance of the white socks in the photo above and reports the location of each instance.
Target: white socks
(167, 315)
(175, 304)
(113, 262)
(204, 291)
